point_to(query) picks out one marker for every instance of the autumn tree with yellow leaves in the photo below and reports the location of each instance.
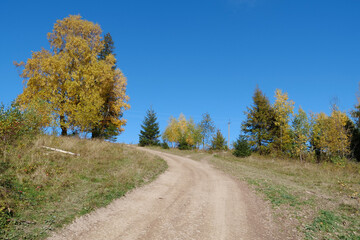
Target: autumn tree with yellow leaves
(330, 137)
(269, 131)
(338, 136)
(283, 108)
(183, 133)
(171, 133)
(73, 81)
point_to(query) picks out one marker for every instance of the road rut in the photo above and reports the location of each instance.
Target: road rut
(191, 200)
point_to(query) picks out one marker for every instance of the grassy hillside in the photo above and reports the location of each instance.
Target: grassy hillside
(41, 190)
(310, 201)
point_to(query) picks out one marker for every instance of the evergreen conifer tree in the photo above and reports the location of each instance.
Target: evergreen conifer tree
(218, 142)
(183, 144)
(150, 130)
(109, 48)
(242, 147)
(106, 129)
(354, 130)
(354, 133)
(259, 125)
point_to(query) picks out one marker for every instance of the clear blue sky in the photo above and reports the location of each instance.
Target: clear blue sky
(196, 56)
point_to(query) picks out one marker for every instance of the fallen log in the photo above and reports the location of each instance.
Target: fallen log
(62, 151)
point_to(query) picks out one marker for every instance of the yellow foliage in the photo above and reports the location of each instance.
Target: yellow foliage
(171, 132)
(330, 134)
(72, 80)
(339, 141)
(181, 128)
(283, 108)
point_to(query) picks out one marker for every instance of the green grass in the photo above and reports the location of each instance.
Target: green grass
(328, 225)
(319, 201)
(276, 194)
(41, 190)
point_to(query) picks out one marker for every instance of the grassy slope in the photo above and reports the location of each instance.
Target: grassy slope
(311, 201)
(45, 189)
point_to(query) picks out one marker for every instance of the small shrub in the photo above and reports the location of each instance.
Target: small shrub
(164, 145)
(16, 123)
(339, 161)
(144, 142)
(242, 147)
(184, 145)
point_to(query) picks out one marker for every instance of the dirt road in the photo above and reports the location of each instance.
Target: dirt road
(191, 200)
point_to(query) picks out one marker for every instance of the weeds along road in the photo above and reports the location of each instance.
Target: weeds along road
(191, 200)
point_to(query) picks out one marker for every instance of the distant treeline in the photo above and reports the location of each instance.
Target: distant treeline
(276, 129)
(273, 129)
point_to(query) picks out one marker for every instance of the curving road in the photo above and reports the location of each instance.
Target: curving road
(191, 200)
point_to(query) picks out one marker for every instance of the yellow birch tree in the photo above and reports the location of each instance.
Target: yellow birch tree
(72, 80)
(337, 135)
(330, 137)
(171, 132)
(182, 131)
(283, 108)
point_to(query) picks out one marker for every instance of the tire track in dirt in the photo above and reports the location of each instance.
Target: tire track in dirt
(191, 200)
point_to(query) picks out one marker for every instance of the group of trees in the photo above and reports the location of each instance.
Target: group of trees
(268, 129)
(78, 81)
(267, 126)
(186, 134)
(275, 128)
(182, 133)
(76, 87)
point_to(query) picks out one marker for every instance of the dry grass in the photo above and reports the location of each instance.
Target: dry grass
(46, 189)
(311, 201)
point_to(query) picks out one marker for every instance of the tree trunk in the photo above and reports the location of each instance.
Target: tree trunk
(95, 133)
(62, 126)
(281, 140)
(63, 131)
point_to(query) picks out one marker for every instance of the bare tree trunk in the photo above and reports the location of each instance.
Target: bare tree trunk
(62, 126)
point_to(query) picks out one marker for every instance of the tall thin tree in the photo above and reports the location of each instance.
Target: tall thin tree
(105, 129)
(283, 108)
(207, 126)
